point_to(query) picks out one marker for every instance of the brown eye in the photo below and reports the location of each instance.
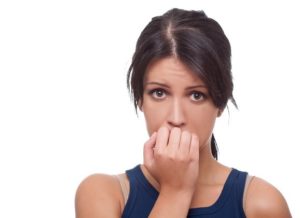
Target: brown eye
(197, 96)
(158, 93)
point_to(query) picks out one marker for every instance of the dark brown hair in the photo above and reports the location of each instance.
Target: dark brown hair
(197, 41)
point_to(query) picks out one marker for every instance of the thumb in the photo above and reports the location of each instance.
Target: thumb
(148, 150)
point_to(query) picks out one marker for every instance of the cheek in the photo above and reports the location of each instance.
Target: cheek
(202, 123)
(154, 115)
(205, 124)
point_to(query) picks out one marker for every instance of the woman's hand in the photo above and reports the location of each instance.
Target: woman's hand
(172, 158)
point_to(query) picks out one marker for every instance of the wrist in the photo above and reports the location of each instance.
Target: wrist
(177, 195)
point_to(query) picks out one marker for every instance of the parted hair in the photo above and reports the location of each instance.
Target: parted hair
(197, 41)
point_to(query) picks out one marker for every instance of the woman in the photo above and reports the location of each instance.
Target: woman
(180, 78)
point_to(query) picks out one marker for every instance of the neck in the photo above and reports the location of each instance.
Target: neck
(209, 167)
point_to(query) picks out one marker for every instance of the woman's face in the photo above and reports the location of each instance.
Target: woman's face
(175, 97)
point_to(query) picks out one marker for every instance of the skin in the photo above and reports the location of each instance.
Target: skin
(180, 117)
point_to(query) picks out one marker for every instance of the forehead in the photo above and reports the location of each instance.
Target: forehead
(171, 69)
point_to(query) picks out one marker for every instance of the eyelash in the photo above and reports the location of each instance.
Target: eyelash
(202, 96)
(151, 93)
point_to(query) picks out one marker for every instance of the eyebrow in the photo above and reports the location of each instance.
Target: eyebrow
(165, 85)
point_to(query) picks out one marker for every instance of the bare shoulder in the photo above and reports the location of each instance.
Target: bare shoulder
(264, 200)
(98, 195)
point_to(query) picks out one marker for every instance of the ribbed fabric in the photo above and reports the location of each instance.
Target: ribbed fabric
(142, 197)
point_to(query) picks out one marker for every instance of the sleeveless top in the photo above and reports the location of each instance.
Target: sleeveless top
(142, 197)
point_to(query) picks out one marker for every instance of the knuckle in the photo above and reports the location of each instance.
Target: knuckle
(172, 157)
(160, 152)
(183, 158)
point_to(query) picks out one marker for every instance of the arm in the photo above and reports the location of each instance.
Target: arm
(98, 196)
(172, 158)
(172, 203)
(264, 201)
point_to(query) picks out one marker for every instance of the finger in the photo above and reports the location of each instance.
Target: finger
(194, 148)
(148, 149)
(174, 139)
(162, 138)
(185, 142)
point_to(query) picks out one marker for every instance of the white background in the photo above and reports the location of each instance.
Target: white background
(65, 111)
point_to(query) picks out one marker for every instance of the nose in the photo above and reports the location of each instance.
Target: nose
(176, 116)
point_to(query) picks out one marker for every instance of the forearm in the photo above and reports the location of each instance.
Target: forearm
(171, 204)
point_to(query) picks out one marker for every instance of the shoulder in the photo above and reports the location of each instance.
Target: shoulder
(98, 195)
(264, 200)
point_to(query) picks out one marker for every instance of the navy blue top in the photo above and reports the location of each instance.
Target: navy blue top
(142, 197)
